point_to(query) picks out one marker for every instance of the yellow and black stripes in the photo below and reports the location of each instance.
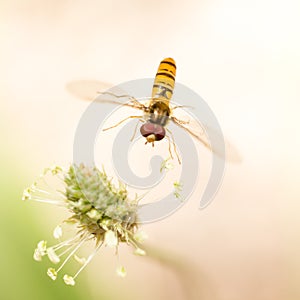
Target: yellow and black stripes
(164, 80)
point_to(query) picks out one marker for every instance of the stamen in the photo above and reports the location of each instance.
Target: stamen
(121, 271)
(67, 250)
(69, 280)
(52, 273)
(72, 253)
(37, 255)
(88, 260)
(57, 232)
(35, 189)
(53, 257)
(67, 243)
(80, 260)
(49, 201)
(53, 193)
(139, 251)
(42, 246)
(110, 239)
(26, 194)
(140, 236)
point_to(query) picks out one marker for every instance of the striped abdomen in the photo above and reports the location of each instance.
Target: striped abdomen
(164, 80)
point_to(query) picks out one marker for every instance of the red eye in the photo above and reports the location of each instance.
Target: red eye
(151, 128)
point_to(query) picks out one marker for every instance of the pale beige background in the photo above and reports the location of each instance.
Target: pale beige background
(242, 57)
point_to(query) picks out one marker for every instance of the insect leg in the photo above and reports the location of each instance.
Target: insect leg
(139, 120)
(174, 145)
(135, 103)
(130, 117)
(170, 150)
(181, 106)
(180, 124)
(180, 121)
(114, 95)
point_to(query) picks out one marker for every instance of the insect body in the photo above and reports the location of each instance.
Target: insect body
(159, 106)
(156, 113)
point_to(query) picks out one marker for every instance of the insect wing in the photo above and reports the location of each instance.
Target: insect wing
(202, 133)
(87, 89)
(93, 90)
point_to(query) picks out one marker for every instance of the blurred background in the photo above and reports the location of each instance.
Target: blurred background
(242, 57)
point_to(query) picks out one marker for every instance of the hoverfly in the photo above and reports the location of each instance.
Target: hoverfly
(156, 113)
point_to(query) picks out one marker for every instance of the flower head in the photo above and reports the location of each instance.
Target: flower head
(100, 211)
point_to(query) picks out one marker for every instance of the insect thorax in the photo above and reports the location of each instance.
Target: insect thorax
(159, 112)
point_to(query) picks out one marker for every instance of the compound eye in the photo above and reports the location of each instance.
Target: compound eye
(150, 128)
(147, 129)
(159, 133)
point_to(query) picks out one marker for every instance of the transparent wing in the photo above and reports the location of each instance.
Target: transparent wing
(202, 132)
(90, 90)
(87, 89)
